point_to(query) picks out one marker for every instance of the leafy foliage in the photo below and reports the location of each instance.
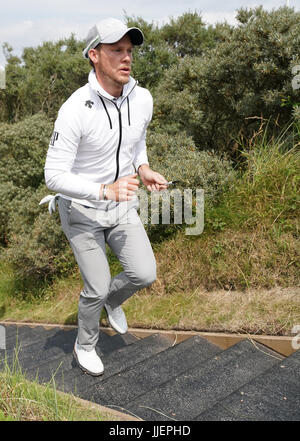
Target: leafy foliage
(23, 148)
(176, 157)
(188, 35)
(37, 245)
(153, 57)
(42, 79)
(221, 95)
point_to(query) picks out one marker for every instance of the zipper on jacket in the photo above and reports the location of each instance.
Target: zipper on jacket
(128, 110)
(120, 124)
(120, 140)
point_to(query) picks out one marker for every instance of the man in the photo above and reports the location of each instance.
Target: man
(95, 154)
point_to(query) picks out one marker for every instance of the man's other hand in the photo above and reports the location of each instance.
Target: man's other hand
(123, 189)
(151, 179)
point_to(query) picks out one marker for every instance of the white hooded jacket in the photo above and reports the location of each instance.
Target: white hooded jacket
(96, 140)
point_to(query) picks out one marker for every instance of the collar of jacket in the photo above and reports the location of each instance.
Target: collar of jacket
(96, 87)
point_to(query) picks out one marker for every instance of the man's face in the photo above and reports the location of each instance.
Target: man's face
(114, 62)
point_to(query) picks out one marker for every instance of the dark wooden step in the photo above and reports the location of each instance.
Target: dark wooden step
(121, 389)
(198, 388)
(272, 396)
(70, 378)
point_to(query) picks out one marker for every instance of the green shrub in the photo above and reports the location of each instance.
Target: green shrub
(8, 191)
(188, 34)
(176, 158)
(164, 46)
(42, 78)
(34, 242)
(37, 247)
(23, 148)
(223, 94)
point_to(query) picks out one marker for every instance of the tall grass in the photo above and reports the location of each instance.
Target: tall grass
(251, 238)
(266, 194)
(24, 400)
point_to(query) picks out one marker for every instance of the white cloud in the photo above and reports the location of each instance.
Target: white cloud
(15, 30)
(219, 17)
(31, 22)
(31, 33)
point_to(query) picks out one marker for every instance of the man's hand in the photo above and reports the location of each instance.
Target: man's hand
(151, 179)
(123, 189)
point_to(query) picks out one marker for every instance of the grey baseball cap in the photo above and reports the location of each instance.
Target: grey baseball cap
(110, 31)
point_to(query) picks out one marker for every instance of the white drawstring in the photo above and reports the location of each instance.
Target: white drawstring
(52, 202)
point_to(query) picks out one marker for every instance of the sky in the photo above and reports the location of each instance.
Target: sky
(28, 23)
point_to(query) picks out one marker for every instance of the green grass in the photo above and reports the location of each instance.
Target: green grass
(24, 400)
(266, 195)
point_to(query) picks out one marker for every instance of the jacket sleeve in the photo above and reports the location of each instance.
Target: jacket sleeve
(141, 156)
(61, 155)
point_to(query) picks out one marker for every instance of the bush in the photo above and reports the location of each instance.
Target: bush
(188, 34)
(8, 191)
(221, 95)
(23, 148)
(35, 244)
(177, 158)
(38, 248)
(153, 57)
(164, 46)
(42, 79)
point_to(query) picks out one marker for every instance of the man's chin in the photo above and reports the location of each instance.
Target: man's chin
(125, 80)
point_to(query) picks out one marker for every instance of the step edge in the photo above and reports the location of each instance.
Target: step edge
(281, 344)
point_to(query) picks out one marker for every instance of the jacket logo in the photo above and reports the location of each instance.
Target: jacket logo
(54, 138)
(89, 104)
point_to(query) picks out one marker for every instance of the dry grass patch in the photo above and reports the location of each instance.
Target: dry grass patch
(228, 260)
(272, 312)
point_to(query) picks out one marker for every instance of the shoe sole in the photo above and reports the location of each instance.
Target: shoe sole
(84, 369)
(114, 327)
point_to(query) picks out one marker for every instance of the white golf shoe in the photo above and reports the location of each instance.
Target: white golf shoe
(117, 319)
(88, 361)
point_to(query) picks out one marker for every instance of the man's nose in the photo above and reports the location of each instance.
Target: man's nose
(127, 57)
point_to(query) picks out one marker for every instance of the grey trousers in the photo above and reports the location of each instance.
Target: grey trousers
(87, 237)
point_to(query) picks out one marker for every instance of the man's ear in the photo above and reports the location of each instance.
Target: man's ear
(93, 55)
